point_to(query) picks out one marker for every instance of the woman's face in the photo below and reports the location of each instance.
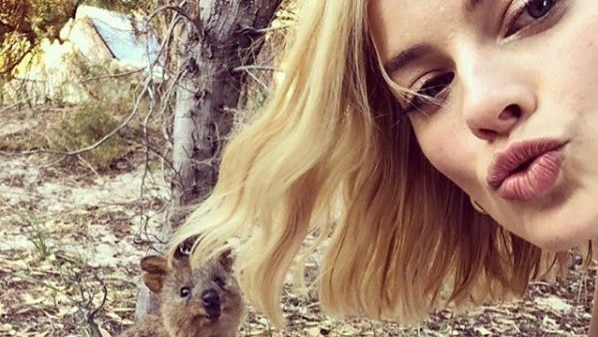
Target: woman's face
(515, 122)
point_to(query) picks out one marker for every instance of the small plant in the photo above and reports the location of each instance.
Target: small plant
(39, 237)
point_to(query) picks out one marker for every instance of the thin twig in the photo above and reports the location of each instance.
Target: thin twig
(261, 31)
(80, 157)
(256, 67)
(260, 82)
(91, 316)
(271, 29)
(105, 138)
(55, 162)
(196, 23)
(117, 75)
(13, 105)
(155, 152)
(142, 212)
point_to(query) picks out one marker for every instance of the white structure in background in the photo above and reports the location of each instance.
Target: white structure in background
(95, 37)
(100, 33)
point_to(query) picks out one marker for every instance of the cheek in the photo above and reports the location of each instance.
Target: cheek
(586, 63)
(576, 61)
(445, 144)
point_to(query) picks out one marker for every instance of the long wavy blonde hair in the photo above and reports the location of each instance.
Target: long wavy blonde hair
(329, 156)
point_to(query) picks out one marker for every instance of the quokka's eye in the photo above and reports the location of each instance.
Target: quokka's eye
(220, 281)
(185, 292)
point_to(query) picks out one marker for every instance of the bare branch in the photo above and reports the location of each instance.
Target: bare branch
(106, 137)
(180, 11)
(267, 29)
(257, 67)
(91, 315)
(117, 75)
(260, 82)
(80, 157)
(7, 108)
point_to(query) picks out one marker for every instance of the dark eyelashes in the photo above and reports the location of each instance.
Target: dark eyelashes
(540, 19)
(430, 92)
(542, 14)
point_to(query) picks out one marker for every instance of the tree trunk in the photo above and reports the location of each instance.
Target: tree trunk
(224, 36)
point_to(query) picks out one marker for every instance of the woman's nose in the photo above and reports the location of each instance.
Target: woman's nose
(495, 100)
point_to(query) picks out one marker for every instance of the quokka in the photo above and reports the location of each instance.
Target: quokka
(194, 302)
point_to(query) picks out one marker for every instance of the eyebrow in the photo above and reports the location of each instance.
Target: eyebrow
(406, 57)
(409, 55)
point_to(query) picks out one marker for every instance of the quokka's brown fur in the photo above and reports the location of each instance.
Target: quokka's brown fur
(194, 302)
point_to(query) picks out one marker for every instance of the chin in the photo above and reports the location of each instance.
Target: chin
(565, 218)
(562, 229)
(554, 243)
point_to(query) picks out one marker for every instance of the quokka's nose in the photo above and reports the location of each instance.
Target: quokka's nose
(211, 301)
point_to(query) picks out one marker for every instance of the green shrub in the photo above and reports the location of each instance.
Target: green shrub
(84, 126)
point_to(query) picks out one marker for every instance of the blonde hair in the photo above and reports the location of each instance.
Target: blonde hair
(329, 156)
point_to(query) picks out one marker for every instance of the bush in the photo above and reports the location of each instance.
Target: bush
(84, 126)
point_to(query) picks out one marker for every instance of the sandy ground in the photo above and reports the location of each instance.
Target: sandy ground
(70, 238)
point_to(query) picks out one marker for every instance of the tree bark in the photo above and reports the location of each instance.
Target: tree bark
(224, 36)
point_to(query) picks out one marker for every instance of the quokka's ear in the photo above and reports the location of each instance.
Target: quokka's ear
(155, 270)
(183, 251)
(226, 260)
(182, 254)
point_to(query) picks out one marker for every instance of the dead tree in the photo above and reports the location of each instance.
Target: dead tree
(219, 37)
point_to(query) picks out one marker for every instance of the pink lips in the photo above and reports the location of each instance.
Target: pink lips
(526, 170)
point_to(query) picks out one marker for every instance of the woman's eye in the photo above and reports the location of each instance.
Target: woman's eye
(530, 12)
(185, 292)
(430, 91)
(538, 9)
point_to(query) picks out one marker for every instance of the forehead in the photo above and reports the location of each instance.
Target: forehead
(398, 23)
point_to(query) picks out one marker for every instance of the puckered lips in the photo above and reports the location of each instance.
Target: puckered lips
(526, 170)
